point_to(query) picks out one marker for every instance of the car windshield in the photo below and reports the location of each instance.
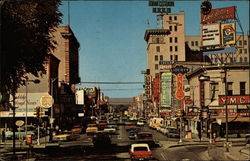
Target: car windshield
(173, 130)
(145, 135)
(140, 149)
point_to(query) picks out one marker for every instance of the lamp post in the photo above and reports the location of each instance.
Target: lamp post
(226, 110)
(52, 94)
(36, 81)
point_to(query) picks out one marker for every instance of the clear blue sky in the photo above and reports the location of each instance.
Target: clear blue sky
(111, 35)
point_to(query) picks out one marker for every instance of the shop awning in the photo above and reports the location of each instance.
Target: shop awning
(237, 119)
(221, 51)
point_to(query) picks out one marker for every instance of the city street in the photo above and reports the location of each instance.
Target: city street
(83, 149)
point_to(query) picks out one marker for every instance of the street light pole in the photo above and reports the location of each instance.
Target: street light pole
(52, 94)
(26, 101)
(226, 93)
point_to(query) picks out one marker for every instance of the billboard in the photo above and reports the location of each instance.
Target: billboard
(211, 34)
(79, 97)
(166, 79)
(219, 14)
(228, 33)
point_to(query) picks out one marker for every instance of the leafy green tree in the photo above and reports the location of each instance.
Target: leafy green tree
(26, 40)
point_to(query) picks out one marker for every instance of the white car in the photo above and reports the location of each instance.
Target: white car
(140, 152)
(140, 123)
(110, 130)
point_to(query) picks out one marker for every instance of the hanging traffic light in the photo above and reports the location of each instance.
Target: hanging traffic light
(38, 109)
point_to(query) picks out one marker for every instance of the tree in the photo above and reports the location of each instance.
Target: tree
(26, 39)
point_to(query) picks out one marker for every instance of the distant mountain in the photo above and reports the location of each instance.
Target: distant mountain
(117, 101)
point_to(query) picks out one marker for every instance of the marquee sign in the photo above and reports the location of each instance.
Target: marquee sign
(219, 14)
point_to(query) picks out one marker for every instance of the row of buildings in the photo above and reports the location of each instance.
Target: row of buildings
(195, 81)
(62, 74)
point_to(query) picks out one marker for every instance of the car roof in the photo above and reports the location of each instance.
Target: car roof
(139, 145)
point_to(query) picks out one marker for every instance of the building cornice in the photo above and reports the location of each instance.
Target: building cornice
(155, 32)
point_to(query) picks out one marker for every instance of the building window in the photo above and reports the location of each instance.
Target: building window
(170, 28)
(242, 88)
(175, 17)
(156, 66)
(175, 39)
(214, 90)
(175, 28)
(245, 59)
(171, 57)
(158, 49)
(170, 39)
(245, 51)
(176, 48)
(240, 51)
(170, 18)
(192, 43)
(229, 88)
(240, 42)
(171, 48)
(176, 57)
(156, 57)
(196, 43)
(245, 42)
(241, 59)
(161, 57)
(157, 40)
(231, 60)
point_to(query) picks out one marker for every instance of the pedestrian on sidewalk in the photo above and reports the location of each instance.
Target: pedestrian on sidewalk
(214, 138)
(3, 136)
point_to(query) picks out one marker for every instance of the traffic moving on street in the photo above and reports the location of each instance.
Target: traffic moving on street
(149, 80)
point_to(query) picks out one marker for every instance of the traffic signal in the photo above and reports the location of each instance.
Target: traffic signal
(38, 109)
(38, 113)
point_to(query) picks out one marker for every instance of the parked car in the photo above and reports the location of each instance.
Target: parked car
(91, 129)
(140, 123)
(101, 138)
(132, 135)
(102, 124)
(20, 134)
(172, 132)
(66, 136)
(140, 152)
(110, 130)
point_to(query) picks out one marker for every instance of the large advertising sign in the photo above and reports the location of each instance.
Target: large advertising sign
(228, 33)
(211, 34)
(234, 100)
(166, 89)
(219, 14)
(156, 89)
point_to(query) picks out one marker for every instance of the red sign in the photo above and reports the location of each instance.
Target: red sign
(179, 94)
(156, 89)
(220, 14)
(234, 100)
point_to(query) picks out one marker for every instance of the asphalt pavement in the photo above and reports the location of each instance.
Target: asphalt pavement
(216, 151)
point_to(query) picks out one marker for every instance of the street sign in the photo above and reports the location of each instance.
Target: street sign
(161, 10)
(161, 3)
(46, 101)
(19, 123)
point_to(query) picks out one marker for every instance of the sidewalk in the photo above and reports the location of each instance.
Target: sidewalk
(238, 150)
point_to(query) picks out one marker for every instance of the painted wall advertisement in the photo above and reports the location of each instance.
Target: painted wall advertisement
(228, 33)
(211, 34)
(166, 89)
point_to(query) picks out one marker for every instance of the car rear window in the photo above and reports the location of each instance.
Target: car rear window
(145, 135)
(140, 149)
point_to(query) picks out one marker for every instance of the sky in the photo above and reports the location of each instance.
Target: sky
(111, 37)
